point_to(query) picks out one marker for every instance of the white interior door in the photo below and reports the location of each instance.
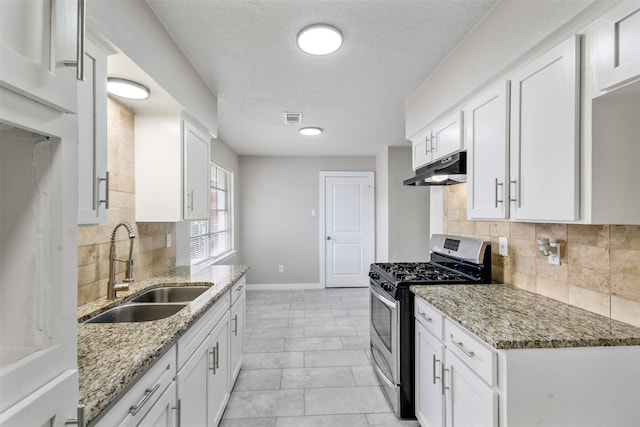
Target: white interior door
(347, 228)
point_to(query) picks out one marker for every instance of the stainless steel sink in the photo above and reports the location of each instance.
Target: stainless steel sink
(137, 313)
(171, 294)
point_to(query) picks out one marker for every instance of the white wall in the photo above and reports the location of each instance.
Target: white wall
(408, 208)
(382, 205)
(123, 23)
(276, 225)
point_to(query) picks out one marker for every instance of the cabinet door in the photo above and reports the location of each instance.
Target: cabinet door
(446, 136)
(544, 136)
(237, 336)
(218, 386)
(619, 46)
(429, 400)
(163, 412)
(486, 122)
(93, 180)
(421, 151)
(470, 401)
(193, 380)
(37, 37)
(196, 170)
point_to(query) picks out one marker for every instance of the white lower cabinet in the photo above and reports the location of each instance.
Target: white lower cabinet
(236, 334)
(448, 391)
(163, 412)
(203, 373)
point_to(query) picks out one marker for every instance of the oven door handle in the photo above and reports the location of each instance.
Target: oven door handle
(382, 298)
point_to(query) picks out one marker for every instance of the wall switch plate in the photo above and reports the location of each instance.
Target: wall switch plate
(169, 240)
(313, 212)
(503, 246)
(554, 258)
(281, 268)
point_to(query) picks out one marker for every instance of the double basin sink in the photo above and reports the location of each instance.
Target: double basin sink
(154, 304)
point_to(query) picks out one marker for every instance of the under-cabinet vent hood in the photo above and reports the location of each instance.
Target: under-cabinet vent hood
(448, 171)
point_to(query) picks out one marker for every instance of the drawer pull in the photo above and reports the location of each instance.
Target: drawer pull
(435, 377)
(460, 345)
(239, 288)
(235, 325)
(424, 315)
(147, 395)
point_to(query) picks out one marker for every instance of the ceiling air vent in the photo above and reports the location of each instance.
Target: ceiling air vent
(292, 118)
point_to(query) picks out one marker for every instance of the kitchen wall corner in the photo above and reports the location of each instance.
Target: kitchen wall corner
(600, 268)
(151, 257)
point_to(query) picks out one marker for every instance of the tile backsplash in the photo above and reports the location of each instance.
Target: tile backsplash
(600, 264)
(151, 257)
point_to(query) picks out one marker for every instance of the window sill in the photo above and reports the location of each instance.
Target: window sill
(213, 261)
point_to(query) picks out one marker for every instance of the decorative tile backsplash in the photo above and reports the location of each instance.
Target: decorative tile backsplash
(600, 264)
(150, 255)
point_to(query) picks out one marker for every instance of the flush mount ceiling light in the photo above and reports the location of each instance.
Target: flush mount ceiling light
(319, 39)
(127, 89)
(310, 131)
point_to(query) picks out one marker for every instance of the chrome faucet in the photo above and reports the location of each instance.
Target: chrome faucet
(112, 286)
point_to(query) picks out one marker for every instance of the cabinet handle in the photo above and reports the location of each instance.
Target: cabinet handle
(498, 184)
(434, 138)
(97, 199)
(79, 62)
(424, 315)
(460, 345)
(147, 395)
(178, 409)
(444, 387)
(235, 325)
(212, 352)
(190, 200)
(514, 182)
(427, 145)
(435, 377)
(80, 420)
(217, 355)
(239, 288)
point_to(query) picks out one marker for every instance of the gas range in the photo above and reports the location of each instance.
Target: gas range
(453, 260)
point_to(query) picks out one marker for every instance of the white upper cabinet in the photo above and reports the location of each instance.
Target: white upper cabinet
(446, 136)
(619, 45)
(438, 140)
(37, 38)
(544, 139)
(93, 178)
(486, 122)
(421, 149)
(172, 169)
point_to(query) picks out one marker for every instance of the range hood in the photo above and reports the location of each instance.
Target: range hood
(448, 171)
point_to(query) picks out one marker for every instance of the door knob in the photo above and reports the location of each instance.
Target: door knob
(328, 237)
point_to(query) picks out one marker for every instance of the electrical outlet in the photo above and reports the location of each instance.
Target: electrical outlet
(281, 268)
(555, 257)
(169, 240)
(503, 246)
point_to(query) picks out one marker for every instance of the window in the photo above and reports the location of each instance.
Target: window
(211, 239)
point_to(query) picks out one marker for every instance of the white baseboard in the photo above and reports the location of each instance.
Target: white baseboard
(284, 286)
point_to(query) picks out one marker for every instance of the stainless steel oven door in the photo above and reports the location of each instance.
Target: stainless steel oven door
(385, 342)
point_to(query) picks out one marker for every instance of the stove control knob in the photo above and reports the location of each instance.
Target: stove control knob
(374, 276)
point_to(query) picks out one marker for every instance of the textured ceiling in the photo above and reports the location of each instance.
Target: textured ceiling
(245, 50)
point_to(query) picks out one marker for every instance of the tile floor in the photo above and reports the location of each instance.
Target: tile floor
(307, 363)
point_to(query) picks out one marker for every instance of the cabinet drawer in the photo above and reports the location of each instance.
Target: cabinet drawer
(238, 288)
(428, 317)
(189, 342)
(131, 408)
(473, 352)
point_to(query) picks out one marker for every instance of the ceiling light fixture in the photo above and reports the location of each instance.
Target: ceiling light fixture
(127, 88)
(319, 39)
(310, 131)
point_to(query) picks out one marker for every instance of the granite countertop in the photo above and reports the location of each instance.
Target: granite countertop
(509, 318)
(111, 357)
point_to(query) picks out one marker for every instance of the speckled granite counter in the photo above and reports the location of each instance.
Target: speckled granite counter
(112, 356)
(508, 318)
